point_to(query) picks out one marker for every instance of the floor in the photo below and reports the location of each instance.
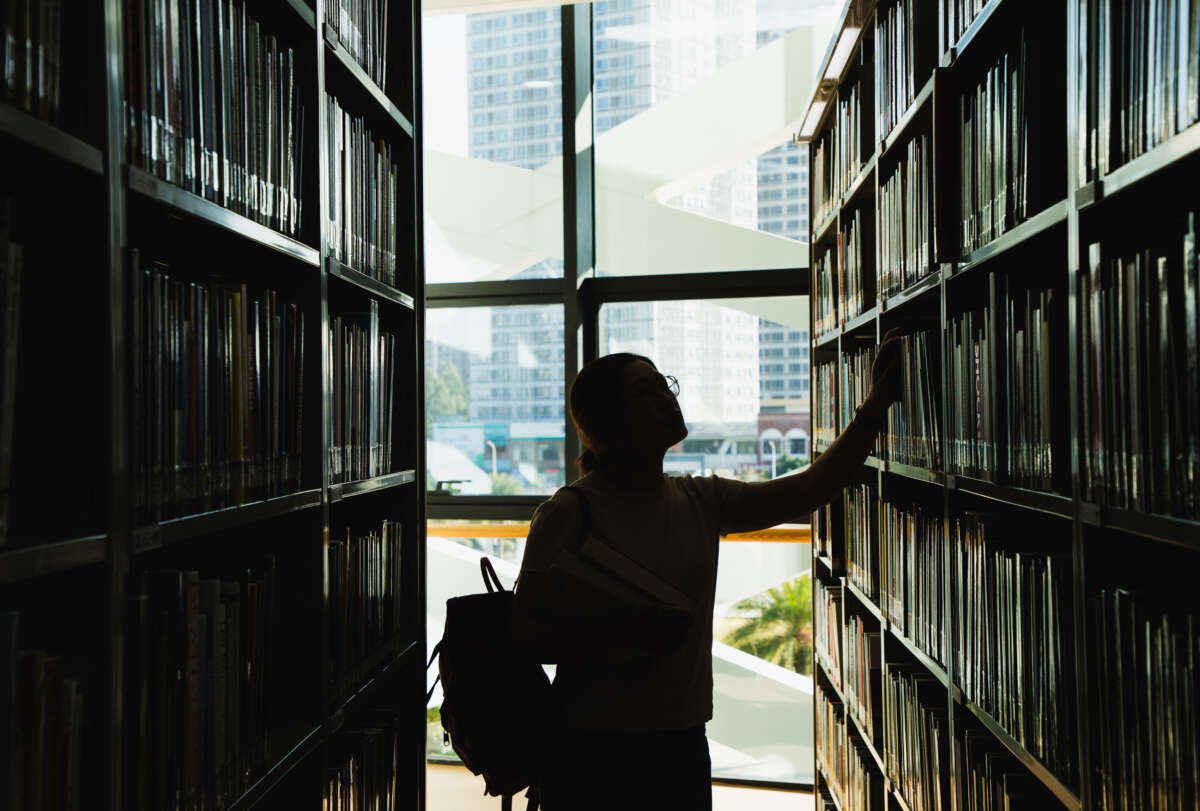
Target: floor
(453, 788)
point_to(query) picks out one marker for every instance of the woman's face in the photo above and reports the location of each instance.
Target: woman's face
(653, 421)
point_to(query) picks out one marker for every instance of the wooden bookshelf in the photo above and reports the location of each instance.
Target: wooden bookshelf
(93, 545)
(1045, 247)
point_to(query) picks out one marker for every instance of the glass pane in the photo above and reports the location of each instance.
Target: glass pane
(493, 142)
(762, 664)
(494, 400)
(695, 107)
(743, 371)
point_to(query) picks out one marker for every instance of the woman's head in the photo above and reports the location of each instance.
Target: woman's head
(623, 407)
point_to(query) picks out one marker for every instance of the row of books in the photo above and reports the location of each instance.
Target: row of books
(913, 576)
(859, 520)
(863, 651)
(361, 26)
(995, 120)
(200, 662)
(822, 531)
(896, 50)
(830, 740)
(364, 600)
(218, 392)
(1013, 641)
(1139, 68)
(906, 219)
(915, 735)
(362, 364)
(827, 628)
(852, 255)
(41, 724)
(1146, 694)
(1141, 379)
(913, 433)
(1032, 324)
(864, 783)
(212, 104)
(957, 15)
(989, 778)
(854, 381)
(364, 196)
(11, 269)
(848, 130)
(364, 769)
(827, 292)
(31, 56)
(970, 378)
(824, 405)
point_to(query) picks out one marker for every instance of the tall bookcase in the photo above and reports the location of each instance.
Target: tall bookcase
(93, 229)
(1016, 281)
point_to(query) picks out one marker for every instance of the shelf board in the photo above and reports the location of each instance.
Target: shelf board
(823, 229)
(916, 473)
(349, 65)
(936, 670)
(379, 289)
(1163, 156)
(899, 798)
(193, 205)
(38, 560)
(1039, 500)
(913, 291)
(866, 602)
(279, 769)
(828, 338)
(344, 490)
(365, 692)
(1015, 236)
(978, 24)
(176, 530)
(1165, 528)
(866, 173)
(868, 744)
(875, 462)
(833, 787)
(34, 132)
(829, 682)
(861, 320)
(830, 564)
(1046, 777)
(900, 131)
(306, 14)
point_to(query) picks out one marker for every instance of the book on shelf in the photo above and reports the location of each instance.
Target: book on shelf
(361, 26)
(830, 739)
(913, 423)
(898, 47)
(826, 174)
(217, 392)
(854, 381)
(916, 734)
(1146, 702)
(201, 667)
(991, 778)
(365, 603)
(363, 367)
(906, 219)
(971, 379)
(852, 280)
(41, 723)
(825, 418)
(1139, 64)
(1000, 128)
(958, 15)
(913, 576)
(1013, 635)
(11, 269)
(823, 534)
(864, 783)
(848, 130)
(212, 104)
(863, 673)
(364, 189)
(364, 769)
(827, 628)
(31, 56)
(860, 519)
(1140, 377)
(827, 292)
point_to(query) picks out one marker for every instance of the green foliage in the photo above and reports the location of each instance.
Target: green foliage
(505, 484)
(781, 632)
(445, 396)
(788, 462)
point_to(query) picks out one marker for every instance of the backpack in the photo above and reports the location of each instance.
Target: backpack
(497, 703)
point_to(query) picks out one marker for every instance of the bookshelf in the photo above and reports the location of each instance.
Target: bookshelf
(1068, 225)
(172, 402)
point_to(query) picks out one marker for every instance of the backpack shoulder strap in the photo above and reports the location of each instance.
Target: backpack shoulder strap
(585, 517)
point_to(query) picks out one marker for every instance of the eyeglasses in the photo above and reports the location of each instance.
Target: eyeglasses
(672, 384)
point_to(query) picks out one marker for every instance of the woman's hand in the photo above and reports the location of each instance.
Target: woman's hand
(886, 374)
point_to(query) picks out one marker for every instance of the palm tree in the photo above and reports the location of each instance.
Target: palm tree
(781, 630)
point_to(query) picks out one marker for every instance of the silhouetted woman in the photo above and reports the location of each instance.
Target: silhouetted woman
(636, 685)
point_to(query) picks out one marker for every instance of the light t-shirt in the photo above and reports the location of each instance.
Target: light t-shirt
(675, 533)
